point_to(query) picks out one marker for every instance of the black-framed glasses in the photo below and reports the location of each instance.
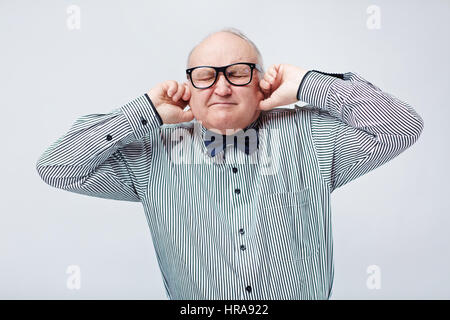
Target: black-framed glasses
(238, 74)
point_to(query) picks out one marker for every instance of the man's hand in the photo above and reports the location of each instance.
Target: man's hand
(169, 99)
(280, 85)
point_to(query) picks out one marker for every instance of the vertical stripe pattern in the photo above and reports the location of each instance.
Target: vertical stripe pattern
(236, 225)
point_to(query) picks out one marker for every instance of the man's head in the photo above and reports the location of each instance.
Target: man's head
(219, 49)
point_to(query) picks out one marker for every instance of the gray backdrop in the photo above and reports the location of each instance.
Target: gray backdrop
(51, 72)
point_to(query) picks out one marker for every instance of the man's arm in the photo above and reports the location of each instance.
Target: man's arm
(357, 127)
(91, 157)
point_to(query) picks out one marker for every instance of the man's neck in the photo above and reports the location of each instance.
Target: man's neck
(231, 131)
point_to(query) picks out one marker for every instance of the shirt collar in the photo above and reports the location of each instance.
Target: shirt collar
(203, 131)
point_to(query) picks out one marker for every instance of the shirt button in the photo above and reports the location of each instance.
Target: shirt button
(108, 137)
(234, 170)
(144, 122)
(242, 247)
(248, 288)
(241, 231)
(237, 191)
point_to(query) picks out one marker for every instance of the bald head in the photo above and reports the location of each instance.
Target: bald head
(229, 41)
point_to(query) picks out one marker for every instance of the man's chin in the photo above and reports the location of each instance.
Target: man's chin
(225, 106)
(223, 125)
(222, 119)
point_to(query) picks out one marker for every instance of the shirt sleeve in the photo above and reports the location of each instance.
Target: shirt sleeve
(355, 126)
(90, 158)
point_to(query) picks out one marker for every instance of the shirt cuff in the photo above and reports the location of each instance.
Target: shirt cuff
(314, 87)
(142, 115)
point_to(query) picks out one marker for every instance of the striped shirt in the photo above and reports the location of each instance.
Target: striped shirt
(238, 226)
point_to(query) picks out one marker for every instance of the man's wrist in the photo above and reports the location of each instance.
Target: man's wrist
(314, 87)
(141, 116)
(154, 109)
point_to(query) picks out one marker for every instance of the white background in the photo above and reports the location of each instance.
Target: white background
(395, 217)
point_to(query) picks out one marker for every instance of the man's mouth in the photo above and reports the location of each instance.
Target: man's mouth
(222, 104)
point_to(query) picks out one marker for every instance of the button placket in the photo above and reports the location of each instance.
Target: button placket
(235, 170)
(244, 257)
(242, 245)
(240, 237)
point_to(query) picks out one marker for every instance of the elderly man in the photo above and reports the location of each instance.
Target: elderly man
(221, 227)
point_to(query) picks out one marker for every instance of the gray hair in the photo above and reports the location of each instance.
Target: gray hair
(240, 34)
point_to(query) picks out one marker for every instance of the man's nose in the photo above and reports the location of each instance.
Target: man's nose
(222, 86)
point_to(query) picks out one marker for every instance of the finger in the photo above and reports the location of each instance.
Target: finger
(274, 76)
(174, 90)
(273, 72)
(167, 87)
(266, 93)
(269, 103)
(269, 78)
(277, 68)
(187, 93)
(266, 104)
(179, 92)
(171, 87)
(265, 86)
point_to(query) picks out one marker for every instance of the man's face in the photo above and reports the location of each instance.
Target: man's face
(218, 50)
